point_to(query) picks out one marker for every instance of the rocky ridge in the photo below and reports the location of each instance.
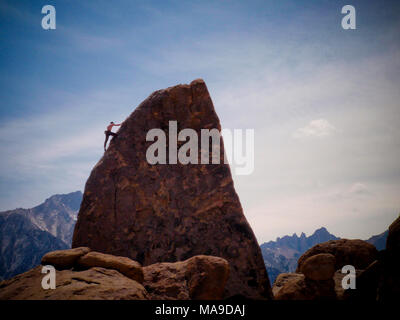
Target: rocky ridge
(27, 234)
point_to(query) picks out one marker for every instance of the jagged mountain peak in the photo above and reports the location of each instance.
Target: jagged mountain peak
(71, 200)
(321, 230)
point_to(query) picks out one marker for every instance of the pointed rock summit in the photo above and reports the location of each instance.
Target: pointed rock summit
(169, 212)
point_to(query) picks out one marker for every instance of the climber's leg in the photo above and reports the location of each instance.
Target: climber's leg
(105, 142)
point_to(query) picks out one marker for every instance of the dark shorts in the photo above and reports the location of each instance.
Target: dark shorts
(109, 133)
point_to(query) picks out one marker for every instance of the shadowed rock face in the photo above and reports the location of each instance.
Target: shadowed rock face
(390, 287)
(168, 213)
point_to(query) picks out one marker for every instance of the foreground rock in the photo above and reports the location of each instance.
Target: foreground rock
(64, 259)
(111, 277)
(377, 273)
(295, 286)
(198, 278)
(124, 265)
(289, 286)
(357, 253)
(93, 284)
(169, 212)
(318, 274)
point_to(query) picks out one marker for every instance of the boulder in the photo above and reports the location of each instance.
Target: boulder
(319, 267)
(357, 253)
(198, 278)
(93, 284)
(124, 265)
(295, 286)
(170, 212)
(64, 259)
(289, 286)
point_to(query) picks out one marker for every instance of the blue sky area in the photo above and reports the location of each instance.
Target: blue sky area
(324, 102)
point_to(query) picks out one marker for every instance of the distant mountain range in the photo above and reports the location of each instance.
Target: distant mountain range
(27, 234)
(379, 241)
(281, 256)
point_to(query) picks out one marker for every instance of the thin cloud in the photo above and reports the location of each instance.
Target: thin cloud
(316, 128)
(359, 189)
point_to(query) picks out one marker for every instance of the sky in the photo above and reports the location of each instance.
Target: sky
(324, 102)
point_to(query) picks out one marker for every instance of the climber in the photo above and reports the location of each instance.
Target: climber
(109, 133)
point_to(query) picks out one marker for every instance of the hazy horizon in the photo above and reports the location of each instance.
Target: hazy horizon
(283, 235)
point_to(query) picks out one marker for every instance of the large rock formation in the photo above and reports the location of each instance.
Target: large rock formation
(169, 212)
